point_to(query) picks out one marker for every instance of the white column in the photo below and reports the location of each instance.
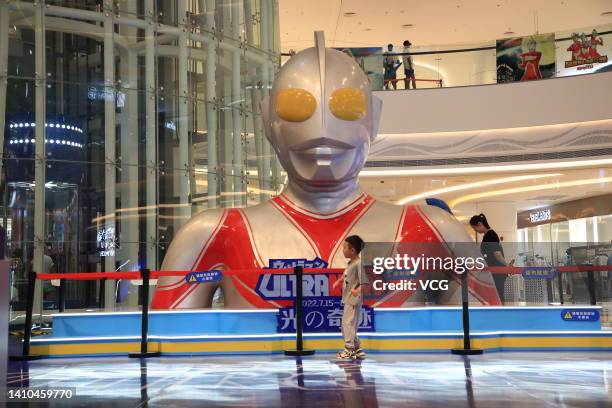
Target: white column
(4, 313)
(183, 111)
(109, 145)
(274, 41)
(248, 21)
(4, 264)
(265, 80)
(255, 95)
(150, 139)
(239, 182)
(4, 31)
(224, 86)
(129, 158)
(40, 73)
(211, 111)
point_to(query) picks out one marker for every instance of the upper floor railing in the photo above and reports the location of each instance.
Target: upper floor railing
(538, 56)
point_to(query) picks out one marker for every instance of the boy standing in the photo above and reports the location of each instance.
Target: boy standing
(390, 65)
(353, 279)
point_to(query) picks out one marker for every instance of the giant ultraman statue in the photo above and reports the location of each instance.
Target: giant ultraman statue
(321, 118)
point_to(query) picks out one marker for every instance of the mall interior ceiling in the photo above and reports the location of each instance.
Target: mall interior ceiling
(360, 23)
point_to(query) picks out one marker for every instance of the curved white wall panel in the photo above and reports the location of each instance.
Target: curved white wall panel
(552, 101)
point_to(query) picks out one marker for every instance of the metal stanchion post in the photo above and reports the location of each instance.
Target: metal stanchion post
(145, 273)
(299, 301)
(560, 284)
(102, 293)
(27, 330)
(62, 296)
(467, 349)
(591, 284)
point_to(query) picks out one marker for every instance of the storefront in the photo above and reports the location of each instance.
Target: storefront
(573, 233)
(585, 221)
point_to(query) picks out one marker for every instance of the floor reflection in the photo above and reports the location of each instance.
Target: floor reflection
(391, 380)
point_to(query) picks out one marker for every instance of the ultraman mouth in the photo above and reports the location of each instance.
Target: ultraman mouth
(322, 147)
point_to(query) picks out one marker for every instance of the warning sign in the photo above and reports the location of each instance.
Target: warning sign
(203, 277)
(580, 315)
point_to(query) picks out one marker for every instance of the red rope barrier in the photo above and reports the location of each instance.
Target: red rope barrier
(416, 79)
(89, 275)
(507, 270)
(517, 270)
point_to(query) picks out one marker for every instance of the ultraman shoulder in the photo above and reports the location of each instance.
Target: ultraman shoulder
(451, 229)
(190, 238)
(202, 224)
(206, 221)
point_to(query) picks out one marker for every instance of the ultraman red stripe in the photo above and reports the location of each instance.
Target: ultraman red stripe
(365, 209)
(312, 244)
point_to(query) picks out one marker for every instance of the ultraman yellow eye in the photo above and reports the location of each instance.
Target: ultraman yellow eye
(348, 104)
(295, 104)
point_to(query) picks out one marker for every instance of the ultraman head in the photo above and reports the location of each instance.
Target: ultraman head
(321, 116)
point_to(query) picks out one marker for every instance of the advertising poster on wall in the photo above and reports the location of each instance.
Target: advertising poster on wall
(585, 52)
(370, 60)
(525, 58)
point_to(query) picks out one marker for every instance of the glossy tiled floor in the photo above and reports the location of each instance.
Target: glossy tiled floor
(383, 380)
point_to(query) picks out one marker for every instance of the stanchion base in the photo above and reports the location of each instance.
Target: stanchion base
(467, 352)
(299, 352)
(24, 358)
(145, 355)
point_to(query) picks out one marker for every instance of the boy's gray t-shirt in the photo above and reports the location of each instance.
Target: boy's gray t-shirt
(354, 275)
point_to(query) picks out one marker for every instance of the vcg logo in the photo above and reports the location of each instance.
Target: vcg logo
(282, 286)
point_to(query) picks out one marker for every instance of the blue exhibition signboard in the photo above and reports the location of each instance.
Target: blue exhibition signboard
(322, 314)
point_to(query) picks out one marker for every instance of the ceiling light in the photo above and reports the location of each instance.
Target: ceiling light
(407, 25)
(350, 14)
(466, 186)
(507, 191)
(487, 169)
(606, 13)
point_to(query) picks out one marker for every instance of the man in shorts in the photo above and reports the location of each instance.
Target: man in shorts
(408, 67)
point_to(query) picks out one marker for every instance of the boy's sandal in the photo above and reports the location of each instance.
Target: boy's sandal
(344, 354)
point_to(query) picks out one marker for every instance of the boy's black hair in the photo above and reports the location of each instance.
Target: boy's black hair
(355, 242)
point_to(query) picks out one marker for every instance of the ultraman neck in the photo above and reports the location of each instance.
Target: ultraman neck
(323, 199)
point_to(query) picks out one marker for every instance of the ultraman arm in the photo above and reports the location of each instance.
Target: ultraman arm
(184, 254)
(460, 244)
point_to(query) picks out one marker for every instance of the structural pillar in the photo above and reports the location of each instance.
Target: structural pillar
(129, 240)
(110, 158)
(40, 74)
(239, 181)
(150, 139)
(4, 30)
(211, 109)
(4, 320)
(184, 169)
(264, 179)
